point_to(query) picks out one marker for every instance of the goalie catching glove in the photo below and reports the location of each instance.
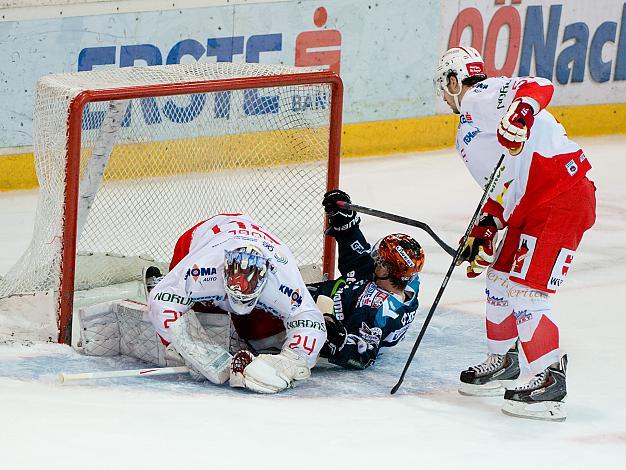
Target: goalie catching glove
(479, 249)
(267, 373)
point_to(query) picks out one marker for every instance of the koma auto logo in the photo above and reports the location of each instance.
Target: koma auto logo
(196, 272)
(293, 294)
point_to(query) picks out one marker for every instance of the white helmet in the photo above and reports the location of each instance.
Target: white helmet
(245, 271)
(464, 62)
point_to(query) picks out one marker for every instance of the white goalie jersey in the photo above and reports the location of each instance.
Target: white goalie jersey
(199, 277)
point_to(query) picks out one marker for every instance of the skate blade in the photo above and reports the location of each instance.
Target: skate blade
(544, 411)
(491, 389)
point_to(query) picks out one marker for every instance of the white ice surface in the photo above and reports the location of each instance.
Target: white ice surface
(339, 419)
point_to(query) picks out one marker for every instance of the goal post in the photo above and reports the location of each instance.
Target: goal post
(150, 151)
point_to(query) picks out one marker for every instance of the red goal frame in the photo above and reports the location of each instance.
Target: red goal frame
(72, 165)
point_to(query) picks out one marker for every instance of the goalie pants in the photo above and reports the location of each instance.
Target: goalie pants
(533, 261)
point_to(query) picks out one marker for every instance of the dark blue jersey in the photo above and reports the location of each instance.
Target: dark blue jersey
(373, 317)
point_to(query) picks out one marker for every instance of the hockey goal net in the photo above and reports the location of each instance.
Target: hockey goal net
(128, 159)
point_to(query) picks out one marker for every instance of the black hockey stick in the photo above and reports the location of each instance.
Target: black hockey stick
(398, 218)
(457, 255)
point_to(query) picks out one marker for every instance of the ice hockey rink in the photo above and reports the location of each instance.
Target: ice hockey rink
(344, 419)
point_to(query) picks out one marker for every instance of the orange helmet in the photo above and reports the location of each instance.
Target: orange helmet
(401, 254)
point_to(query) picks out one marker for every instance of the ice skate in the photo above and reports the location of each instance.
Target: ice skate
(541, 398)
(490, 378)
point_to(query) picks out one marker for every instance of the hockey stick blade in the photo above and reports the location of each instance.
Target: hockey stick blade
(457, 255)
(65, 378)
(400, 219)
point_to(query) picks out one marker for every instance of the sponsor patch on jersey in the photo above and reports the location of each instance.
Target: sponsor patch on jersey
(571, 167)
(470, 136)
(173, 298)
(357, 247)
(212, 299)
(317, 325)
(480, 86)
(560, 269)
(196, 272)
(337, 305)
(281, 258)
(294, 294)
(522, 316)
(378, 301)
(267, 308)
(504, 89)
(466, 119)
(372, 297)
(523, 256)
(582, 157)
(496, 301)
(408, 317)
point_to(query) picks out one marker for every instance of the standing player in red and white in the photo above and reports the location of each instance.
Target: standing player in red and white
(544, 199)
(229, 263)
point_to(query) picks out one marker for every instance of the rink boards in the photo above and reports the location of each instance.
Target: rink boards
(386, 54)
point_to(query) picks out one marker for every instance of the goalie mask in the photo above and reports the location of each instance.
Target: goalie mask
(401, 254)
(245, 275)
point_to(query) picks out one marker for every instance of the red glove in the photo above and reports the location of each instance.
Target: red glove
(514, 128)
(480, 246)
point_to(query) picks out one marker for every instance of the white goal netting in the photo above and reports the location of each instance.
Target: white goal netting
(154, 165)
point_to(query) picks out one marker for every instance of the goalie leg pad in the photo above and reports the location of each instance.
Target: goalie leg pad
(197, 349)
(121, 327)
(99, 331)
(271, 373)
(217, 327)
(137, 335)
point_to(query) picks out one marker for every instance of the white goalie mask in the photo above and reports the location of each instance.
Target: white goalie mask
(245, 275)
(463, 62)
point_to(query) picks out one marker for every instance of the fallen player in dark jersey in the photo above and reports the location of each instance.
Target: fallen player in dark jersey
(375, 299)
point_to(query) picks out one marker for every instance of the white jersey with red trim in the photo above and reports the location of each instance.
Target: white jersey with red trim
(199, 277)
(549, 162)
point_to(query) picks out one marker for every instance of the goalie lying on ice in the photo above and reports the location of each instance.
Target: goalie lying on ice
(229, 264)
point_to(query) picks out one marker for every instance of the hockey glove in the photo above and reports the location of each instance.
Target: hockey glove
(479, 248)
(336, 336)
(271, 373)
(360, 350)
(339, 220)
(514, 128)
(240, 361)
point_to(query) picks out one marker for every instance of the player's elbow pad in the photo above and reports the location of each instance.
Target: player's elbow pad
(538, 93)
